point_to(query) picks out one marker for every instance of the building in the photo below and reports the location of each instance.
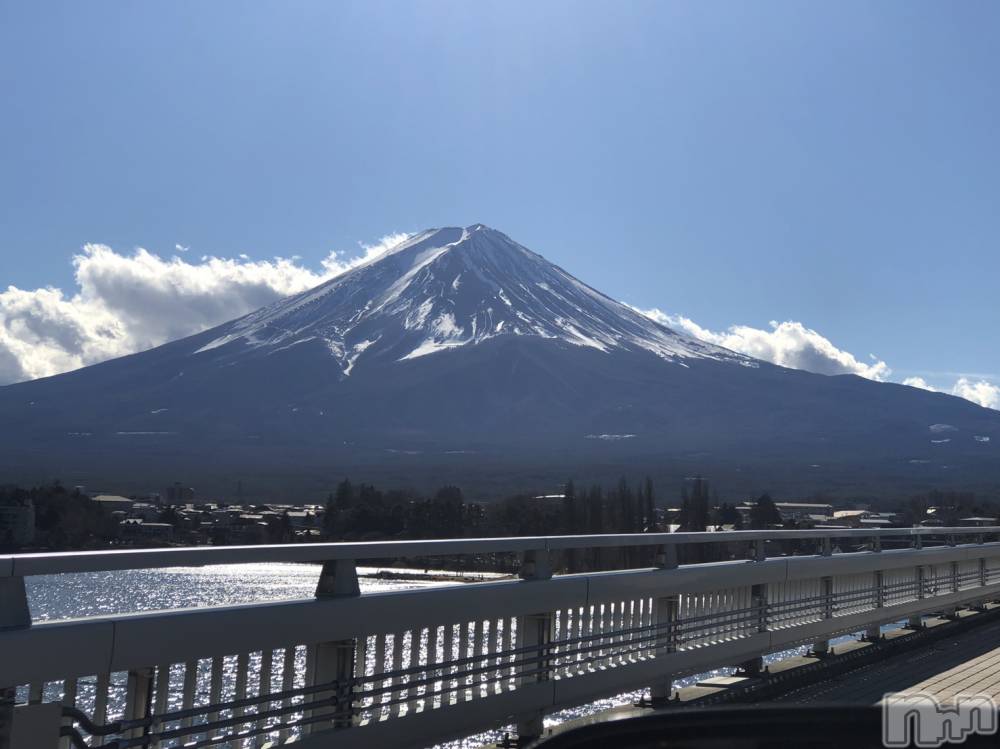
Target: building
(864, 519)
(145, 511)
(178, 494)
(114, 503)
(804, 512)
(139, 530)
(17, 522)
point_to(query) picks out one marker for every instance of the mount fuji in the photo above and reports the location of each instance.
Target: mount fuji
(446, 289)
(462, 356)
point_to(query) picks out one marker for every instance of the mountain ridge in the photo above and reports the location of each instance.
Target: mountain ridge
(453, 287)
(461, 356)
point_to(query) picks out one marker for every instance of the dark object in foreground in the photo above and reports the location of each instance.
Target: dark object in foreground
(743, 727)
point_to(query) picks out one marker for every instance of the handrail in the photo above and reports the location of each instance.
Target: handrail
(26, 565)
(512, 647)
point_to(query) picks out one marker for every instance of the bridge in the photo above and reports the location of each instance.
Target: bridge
(413, 668)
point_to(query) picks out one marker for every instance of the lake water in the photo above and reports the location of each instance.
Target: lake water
(104, 593)
(124, 591)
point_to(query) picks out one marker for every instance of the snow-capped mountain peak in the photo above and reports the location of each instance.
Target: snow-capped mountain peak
(444, 289)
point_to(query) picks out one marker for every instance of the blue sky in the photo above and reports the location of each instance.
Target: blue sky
(834, 164)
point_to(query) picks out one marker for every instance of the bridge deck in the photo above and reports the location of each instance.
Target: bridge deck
(965, 663)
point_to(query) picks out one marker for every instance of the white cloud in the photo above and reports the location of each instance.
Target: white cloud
(920, 382)
(334, 265)
(982, 392)
(126, 303)
(790, 344)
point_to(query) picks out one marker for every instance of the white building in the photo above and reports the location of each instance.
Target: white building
(112, 502)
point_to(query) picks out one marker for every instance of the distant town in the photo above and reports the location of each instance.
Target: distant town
(59, 518)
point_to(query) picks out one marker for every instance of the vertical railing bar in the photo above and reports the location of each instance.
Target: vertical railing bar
(242, 677)
(187, 694)
(68, 699)
(378, 674)
(449, 659)
(602, 630)
(264, 689)
(617, 613)
(630, 625)
(101, 687)
(162, 694)
(468, 651)
(162, 688)
(626, 634)
(215, 686)
(508, 644)
(308, 674)
(605, 628)
(424, 659)
(287, 683)
(498, 648)
(397, 664)
(360, 664)
(482, 650)
(440, 657)
(607, 632)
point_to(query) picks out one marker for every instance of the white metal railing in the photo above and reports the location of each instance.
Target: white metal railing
(416, 667)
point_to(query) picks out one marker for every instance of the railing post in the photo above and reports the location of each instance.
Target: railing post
(333, 661)
(8, 696)
(876, 543)
(665, 642)
(758, 598)
(953, 585)
(916, 621)
(14, 614)
(822, 647)
(759, 550)
(338, 579)
(874, 631)
(666, 557)
(69, 699)
(665, 621)
(536, 565)
(138, 698)
(37, 726)
(758, 603)
(980, 604)
(534, 631)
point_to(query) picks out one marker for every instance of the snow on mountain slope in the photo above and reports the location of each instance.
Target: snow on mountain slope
(447, 288)
(462, 357)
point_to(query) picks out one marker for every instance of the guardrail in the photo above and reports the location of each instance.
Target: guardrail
(417, 667)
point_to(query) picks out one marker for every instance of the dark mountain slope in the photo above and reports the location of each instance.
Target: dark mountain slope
(463, 356)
